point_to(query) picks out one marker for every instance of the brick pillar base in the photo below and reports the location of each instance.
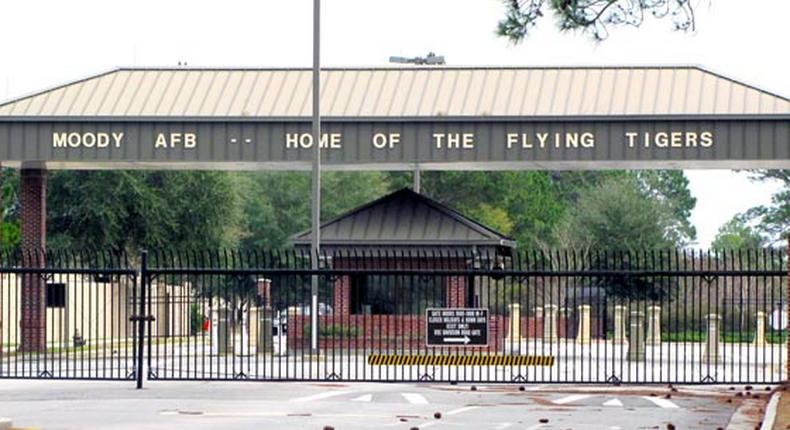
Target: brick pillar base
(33, 202)
(341, 299)
(455, 287)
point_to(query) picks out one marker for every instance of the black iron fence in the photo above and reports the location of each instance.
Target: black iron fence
(66, 315)
(443, 315)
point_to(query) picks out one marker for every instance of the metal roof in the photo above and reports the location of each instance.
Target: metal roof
(401, 92)
(404, 218)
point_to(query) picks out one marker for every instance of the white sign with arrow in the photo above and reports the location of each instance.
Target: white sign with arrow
(457, 327)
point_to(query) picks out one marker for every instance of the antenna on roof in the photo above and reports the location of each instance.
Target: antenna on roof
(430, 60)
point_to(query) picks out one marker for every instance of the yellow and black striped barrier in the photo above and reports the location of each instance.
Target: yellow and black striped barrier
(460, 360)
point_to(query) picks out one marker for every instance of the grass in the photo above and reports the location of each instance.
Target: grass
(772, 337)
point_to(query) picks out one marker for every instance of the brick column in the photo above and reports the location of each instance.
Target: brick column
(341, 299)
(455, 287)
(33, 202)
(264, 289)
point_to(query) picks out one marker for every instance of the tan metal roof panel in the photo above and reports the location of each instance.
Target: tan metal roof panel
(402, 92)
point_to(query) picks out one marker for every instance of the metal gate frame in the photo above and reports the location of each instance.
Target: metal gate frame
(394, 352)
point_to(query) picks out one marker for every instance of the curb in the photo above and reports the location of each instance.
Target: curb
(770, 411)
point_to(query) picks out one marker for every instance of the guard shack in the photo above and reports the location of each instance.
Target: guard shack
(399, 232)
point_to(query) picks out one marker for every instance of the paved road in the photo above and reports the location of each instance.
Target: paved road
(245, 405)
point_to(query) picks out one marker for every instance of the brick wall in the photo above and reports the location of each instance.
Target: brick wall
(398, 334)
(341, 300)
(455, 287)
(33, 202)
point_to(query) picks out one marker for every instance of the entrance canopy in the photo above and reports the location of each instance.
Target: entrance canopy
(400, 118)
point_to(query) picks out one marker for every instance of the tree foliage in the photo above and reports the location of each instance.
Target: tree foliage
(594, 17)
(524, 205)
(204, 210)
(129, 210)
(737, 234)
(277, 205)
(616, 215)
(772, 221)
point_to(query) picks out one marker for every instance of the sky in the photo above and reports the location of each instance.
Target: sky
(45, 43)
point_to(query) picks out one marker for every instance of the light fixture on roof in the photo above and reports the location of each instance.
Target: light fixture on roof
(430, 60)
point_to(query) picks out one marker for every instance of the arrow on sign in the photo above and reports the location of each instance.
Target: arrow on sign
(463, 340)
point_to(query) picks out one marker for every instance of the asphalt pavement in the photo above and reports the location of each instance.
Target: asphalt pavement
(274, 405)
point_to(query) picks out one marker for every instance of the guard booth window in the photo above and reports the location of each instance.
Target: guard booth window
(395, 295)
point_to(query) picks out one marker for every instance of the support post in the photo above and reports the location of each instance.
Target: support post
(316, 183)
(417, 179)
(33, 201)
(142, 282)
(787, 316)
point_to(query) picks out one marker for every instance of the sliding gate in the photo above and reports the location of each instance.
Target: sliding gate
(600, 317)
(68, 315)
(565, 317)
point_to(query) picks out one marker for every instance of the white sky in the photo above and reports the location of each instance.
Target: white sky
(43, 43)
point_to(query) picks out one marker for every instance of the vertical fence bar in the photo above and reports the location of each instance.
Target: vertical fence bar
(140, 321)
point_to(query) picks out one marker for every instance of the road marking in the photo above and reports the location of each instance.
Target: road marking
(503, 426)
(664, 403)
(459, 410)
(535, 427)
(453, 412)
(320, 396)
(414, 398)
(613, 402)
(363, 398)
(571, 398)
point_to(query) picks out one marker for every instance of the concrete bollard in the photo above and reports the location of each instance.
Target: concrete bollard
(619, 324)
(636, 337)
(537, 311)
(220, 331)
(653, 326)
(550, 323)
(6, 424)
(254, 329)
(513, 337)
(264, 341)
(759, 334)
(242, 346)
(711, 353)
(583, 334)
